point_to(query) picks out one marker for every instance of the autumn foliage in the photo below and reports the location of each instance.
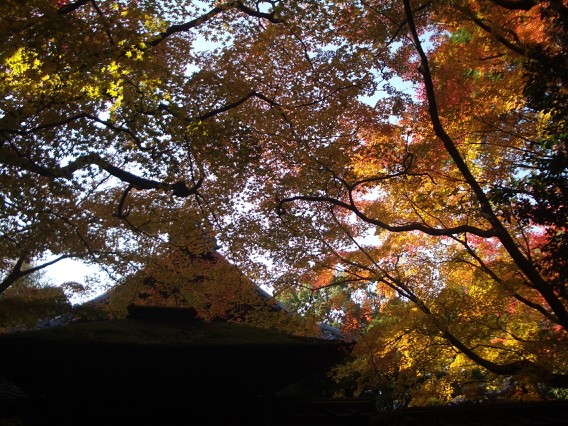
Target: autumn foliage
(397, 168)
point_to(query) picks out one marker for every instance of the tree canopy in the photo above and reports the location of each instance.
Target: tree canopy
(411, 154)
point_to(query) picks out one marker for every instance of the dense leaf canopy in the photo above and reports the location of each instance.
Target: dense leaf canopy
(410, 154)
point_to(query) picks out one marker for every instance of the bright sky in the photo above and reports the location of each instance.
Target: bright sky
(68, 270)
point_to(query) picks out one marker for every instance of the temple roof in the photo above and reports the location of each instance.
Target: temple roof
(211, 286)
(158, 357)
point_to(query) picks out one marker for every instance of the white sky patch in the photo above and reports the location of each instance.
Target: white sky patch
(370, 238)
(70, 270)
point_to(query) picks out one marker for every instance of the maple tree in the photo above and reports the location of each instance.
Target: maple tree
(440, 210)
(466, 196)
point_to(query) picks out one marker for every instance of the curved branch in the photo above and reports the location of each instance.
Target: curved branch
(251, 94)
(178, 28)
(119, 209)
(479, 22)
(516, 4)
(173, 29)
(413, 226)
(515, 367)
(384, 276)
(71, 7)
(511, 368)
(80, 116)
(210, 114)
(16, 273)
(179, 189)
(483, 267)
(271, 17)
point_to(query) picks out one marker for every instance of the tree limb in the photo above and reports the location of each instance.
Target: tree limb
(251, 94)
(414, 226)
(483, 266)
(75, 117)
(179, 189)
(71, 7)
(173, 29)
(16, 273)
(271, 17)
(516, 4)
(479, 22)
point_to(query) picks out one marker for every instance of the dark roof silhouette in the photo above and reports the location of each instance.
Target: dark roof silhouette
(139, 367)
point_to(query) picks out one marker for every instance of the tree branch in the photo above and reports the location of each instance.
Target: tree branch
(414, 226)
(251, 94)
(516, 4)
(114, 127)
(16, 273)
(479, 22)
(71, 7)
(271, 17)
(173, 29)
(483, 266)
(179, 189)
(119, 210)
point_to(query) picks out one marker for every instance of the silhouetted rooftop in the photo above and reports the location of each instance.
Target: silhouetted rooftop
(158, 359)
